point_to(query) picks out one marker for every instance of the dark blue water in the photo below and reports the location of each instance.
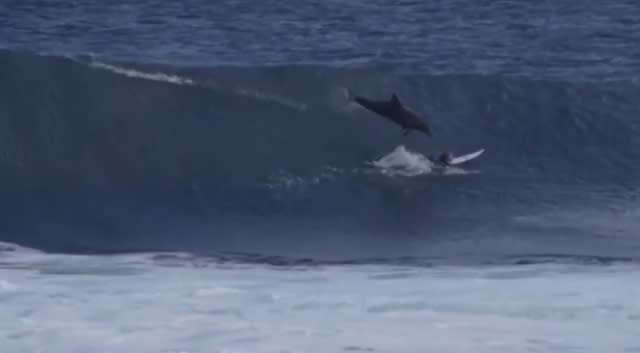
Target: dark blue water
(223, 127)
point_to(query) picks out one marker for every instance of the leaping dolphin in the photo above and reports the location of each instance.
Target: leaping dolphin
(394, 111)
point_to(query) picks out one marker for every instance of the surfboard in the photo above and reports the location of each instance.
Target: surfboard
(466, 157)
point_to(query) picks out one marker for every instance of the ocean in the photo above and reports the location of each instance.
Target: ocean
(192, 177)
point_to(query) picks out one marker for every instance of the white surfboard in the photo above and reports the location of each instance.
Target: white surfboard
(466, 157)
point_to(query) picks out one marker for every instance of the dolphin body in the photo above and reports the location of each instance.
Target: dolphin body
(393, 110)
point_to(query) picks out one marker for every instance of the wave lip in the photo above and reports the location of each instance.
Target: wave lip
(156, 76)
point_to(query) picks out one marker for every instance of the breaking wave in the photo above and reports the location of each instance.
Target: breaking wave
(114, 156)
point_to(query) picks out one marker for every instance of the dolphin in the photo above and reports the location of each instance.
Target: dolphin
(393, 110)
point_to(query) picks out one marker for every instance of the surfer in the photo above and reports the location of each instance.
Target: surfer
(393, 110)
(445, 159)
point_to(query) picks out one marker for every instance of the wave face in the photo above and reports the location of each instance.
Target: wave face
(114, 157)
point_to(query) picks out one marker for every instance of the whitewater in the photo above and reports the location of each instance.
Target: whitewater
(190, 177)
(178, 303)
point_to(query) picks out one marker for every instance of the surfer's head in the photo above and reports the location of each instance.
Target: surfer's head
(445, 157)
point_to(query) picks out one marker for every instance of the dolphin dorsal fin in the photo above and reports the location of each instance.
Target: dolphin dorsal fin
(394, 99)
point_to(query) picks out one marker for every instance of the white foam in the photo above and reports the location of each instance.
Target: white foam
(284, 180)
(155, 76)
(6, 287)
(257, 309)
(10, 248)
(404, 162)
(175, 79)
